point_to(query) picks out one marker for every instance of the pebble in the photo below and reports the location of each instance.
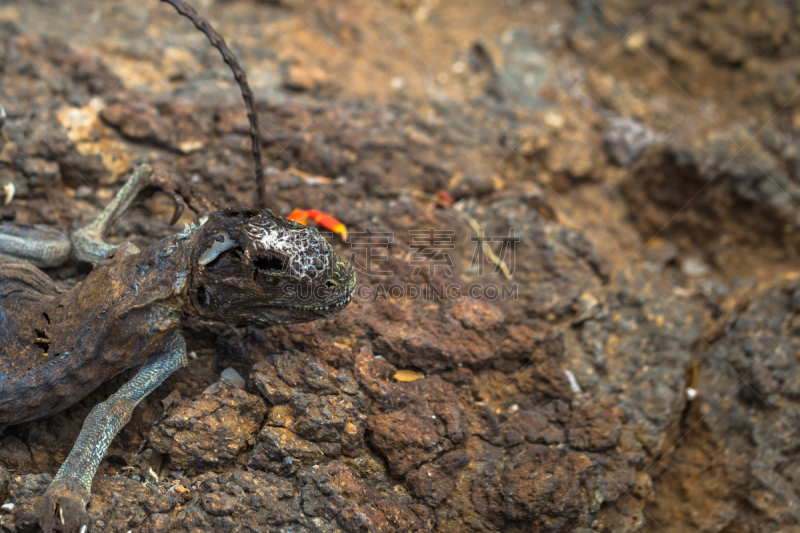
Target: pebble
(229, 379)
(694, 267)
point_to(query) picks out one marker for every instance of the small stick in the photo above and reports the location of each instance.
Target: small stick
(498, 261)
(218, 42)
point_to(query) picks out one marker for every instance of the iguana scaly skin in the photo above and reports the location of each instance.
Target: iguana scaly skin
(242, 266)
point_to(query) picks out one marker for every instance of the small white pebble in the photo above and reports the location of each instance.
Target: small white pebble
(83, 529)
(554, 119)
(458, 67)
(433, 416)
(636, 40)
(397, 83)
(7, 507)
(9, 189)
(573, 383)
(192, 355)
(691, 393)
(694, 267)
(513, 409)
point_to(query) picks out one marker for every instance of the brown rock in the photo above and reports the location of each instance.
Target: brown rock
(338, 418)
(139, 121)
(159, 523)
(540, 484)
(430, 484)
(356, 518)
(187, 127)
(209, 431)
(336, 492)
(545, 380)
(532, 426)
(219, 503)
(452, 462)
(522, 341)
(42, 172)
(278, 374)
(161, 502)
(282, 451)
(477, 315)
(431, 423)
(313, 400)
(302, 78)
(593, 428)
(14, 454)
(375, 375)
(5, 480)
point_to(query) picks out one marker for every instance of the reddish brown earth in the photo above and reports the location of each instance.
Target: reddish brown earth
(657, 210)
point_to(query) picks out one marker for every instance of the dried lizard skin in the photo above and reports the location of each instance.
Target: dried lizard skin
(242, 266)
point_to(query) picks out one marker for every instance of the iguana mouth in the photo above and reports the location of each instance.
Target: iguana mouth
(321, 308)
(326, 309)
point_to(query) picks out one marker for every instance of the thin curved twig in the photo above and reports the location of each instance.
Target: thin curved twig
(218, 42)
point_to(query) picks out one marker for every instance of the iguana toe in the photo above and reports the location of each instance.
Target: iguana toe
(63, 508)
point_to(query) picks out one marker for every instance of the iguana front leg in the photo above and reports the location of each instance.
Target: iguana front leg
(63, 505)
(87, 243)
(48, 248)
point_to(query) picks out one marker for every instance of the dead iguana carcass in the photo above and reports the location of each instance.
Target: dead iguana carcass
(241, 266)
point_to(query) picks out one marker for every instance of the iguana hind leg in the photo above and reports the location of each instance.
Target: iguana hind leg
(63, 505)
(41, 246)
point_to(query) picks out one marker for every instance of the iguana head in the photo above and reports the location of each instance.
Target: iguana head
(253, 267)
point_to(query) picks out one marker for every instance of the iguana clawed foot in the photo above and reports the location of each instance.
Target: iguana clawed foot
(63, 508)
(182, 194)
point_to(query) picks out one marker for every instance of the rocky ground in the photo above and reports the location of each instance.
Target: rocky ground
(639, 373)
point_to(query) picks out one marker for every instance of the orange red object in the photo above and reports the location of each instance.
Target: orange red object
(321, 218)
(444, 198)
